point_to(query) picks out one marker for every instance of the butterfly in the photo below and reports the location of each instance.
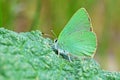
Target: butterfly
(77, 37)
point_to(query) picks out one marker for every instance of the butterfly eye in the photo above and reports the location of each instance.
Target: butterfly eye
(55, 40)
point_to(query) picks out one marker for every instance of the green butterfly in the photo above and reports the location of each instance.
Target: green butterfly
(77, 38)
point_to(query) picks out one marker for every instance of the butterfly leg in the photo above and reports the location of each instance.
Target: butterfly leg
(58, 53)
(69, 57)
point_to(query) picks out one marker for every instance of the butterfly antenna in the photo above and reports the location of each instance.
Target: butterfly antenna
(47, 35)
(54, 33)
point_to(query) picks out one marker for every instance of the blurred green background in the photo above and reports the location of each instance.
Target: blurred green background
(47, 15)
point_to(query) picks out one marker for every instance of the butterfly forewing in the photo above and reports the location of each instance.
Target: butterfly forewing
(79, 22)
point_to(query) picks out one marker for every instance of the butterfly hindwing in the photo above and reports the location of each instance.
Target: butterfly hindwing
(80, 43)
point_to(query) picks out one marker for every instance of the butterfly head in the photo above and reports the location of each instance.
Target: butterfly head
(55, 45)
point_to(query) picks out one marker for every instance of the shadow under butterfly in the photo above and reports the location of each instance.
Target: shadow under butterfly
(77, 38)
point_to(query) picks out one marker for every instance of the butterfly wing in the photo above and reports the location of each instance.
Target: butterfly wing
(76, 37)
(79, 22)
(79, 43)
